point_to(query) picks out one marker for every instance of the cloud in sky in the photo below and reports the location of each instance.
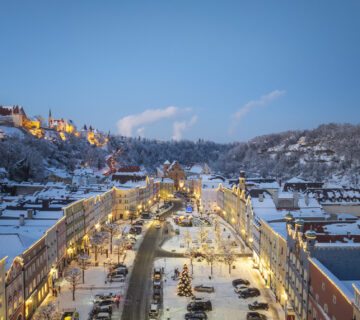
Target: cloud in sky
(263, 101)
(180, 126)
(127, 124)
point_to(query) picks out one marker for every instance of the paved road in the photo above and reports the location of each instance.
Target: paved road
(136, 306)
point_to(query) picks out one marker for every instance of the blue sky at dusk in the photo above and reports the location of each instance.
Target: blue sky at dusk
(218, 70)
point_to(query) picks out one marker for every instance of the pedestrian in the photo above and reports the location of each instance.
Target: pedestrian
(59, 289)
(118, 302)
(53, 292)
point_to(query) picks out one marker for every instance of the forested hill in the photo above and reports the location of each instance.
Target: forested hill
(329, 151)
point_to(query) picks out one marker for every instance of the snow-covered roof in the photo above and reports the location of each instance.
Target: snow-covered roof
(296, 180)
(167, 162)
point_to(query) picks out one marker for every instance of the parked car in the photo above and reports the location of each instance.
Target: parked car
(99, 309)
(198, 315)
(119, 265)
(240, 281)
(156, 294)
(158, 226)
(157, 283)
(239, 288)
(103, 316)
(258, 306)
(104, 303)
(195, 298)
(162, 219)
(251, 292)
(157, 277)
(157, 271)
(102, 296)
(118, 278)
(154, 310)
(199, 306)
(255, 316)
(203, 288)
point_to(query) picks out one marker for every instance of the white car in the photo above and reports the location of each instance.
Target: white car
(239, 288)
(158, 226)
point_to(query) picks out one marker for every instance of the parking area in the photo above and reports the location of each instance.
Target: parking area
(226, 304)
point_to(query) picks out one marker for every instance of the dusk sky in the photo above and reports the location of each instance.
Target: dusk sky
(217, 70)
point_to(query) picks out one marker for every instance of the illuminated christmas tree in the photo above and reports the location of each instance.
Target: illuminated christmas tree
(184, 285)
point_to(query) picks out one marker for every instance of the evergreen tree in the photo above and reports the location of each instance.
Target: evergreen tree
(184, 285)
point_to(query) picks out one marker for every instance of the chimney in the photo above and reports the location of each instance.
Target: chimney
(21, 220)
(30, 213)
(280, 182)
(261, 197)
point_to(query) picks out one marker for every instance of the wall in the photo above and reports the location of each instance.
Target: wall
(324, 294)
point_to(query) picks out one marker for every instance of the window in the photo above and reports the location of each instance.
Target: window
(334, 299)
(323, 286)
(317, 298)
(333, 318)
(326, 309)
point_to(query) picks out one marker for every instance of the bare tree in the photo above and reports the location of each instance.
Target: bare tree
(83, 265)
(97, 240)
(229, 255)
(47, 312)
(190, 253)
(119, 243)
(203, 235)
(73, 276)
(111, 229)
(187, 238)
(210, 258)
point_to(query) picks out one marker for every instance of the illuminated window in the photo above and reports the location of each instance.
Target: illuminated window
(323, 286)
(326, 309)
(334, 299)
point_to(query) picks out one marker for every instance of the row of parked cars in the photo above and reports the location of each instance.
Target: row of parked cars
(197, 308)
(157, 289)
(243, 289)
(103, 306)
(118, 273)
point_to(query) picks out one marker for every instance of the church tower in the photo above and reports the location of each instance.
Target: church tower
(50, 118)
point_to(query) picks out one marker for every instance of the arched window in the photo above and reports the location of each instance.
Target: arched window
(326, 309)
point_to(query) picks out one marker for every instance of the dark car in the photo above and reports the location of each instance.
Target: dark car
(251, 292)
(199, 315)
(255, 316)
(104, 303)
(258, 306)
(203, 288)
(199, 306)
(157, 294)
(240, 281)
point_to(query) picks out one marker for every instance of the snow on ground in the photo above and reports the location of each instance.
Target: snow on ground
(225, 302)
(178, 244)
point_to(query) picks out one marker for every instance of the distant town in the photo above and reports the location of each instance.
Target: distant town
(126, 243)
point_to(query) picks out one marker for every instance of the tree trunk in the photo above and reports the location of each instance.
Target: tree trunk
(73, 292)
(83, 275)
(229, 268)
(211, 269)
(111, 236)
(96, 253)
